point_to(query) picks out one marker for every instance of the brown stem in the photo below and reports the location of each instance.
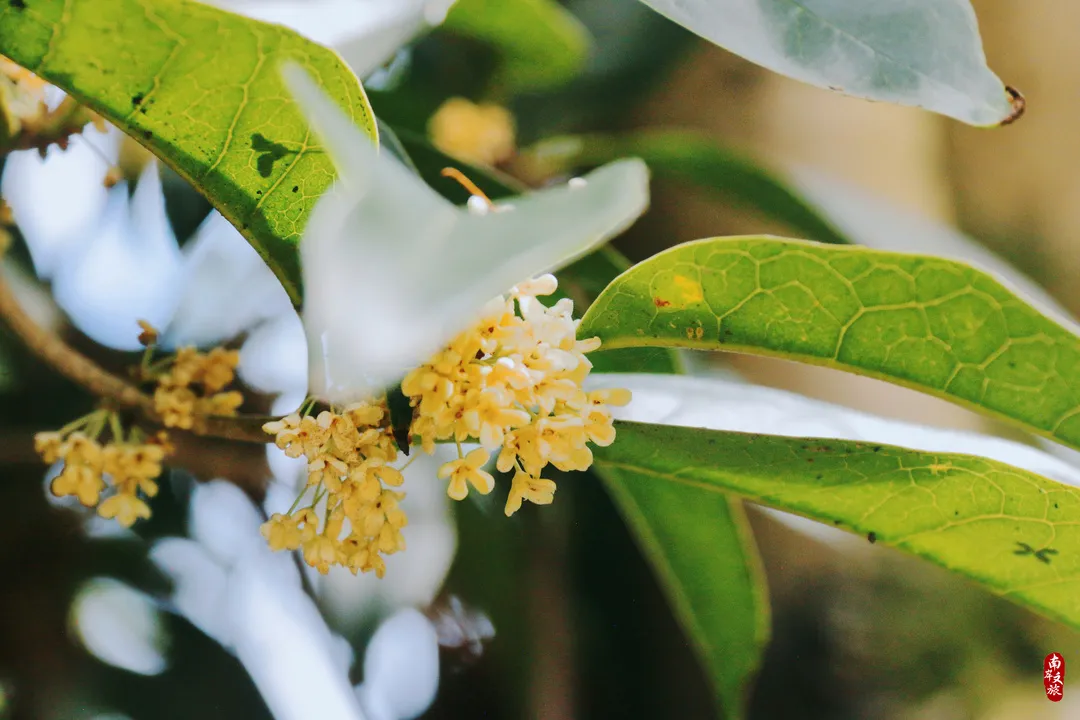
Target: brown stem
(85, 372)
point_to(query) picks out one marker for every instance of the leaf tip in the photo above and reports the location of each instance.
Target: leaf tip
(1019, 105)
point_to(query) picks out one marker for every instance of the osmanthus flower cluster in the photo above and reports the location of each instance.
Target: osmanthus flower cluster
(124, 468)
(399, 287)
(349, 456)
(188, 386)
(512, 383)
(191, 386)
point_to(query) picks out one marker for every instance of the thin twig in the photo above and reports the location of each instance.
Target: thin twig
(85, 372)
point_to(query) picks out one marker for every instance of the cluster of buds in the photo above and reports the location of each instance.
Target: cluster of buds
(190, 385)
(349, 456)
(513, 384)
(124, 470)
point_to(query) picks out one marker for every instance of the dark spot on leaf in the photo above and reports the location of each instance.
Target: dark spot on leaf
(660, 302)
(809, 459)
(877, 448)
(1025, 549)
(17, 4)
(269, 153)
(295, 188)
(258, 192)
(872, 537)
(955, 512)
(836, 522)
(1044, 554)
(819, 476)
(137, 98)
(147, 134)
(1055, 506)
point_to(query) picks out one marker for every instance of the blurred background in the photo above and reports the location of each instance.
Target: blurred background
(581, 628)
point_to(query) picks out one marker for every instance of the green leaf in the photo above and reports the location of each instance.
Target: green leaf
(1014, 532)
(700, 546)
(927, 323)
(540, 44)
(695, 158)
(925, 53)
(200, 88)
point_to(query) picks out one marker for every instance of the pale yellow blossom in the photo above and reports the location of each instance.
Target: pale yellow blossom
(482, 134)
(465, 471)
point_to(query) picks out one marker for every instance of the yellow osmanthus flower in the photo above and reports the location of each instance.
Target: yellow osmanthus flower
(466, 471)
(125, 469)
(482, 134)
(192, 385)
(349, 455)
(513, 383)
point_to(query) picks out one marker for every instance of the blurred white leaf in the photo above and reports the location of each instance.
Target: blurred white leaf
(56, 201)
(393, 271)
(274, 358)
(401, 668)
(225, 522)
(366, 33)
(925, 53)
(227, 288)
(119, 625)
(287, 649)
(720, 404)
(127, 267)
(199, 585)
(233, 587)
